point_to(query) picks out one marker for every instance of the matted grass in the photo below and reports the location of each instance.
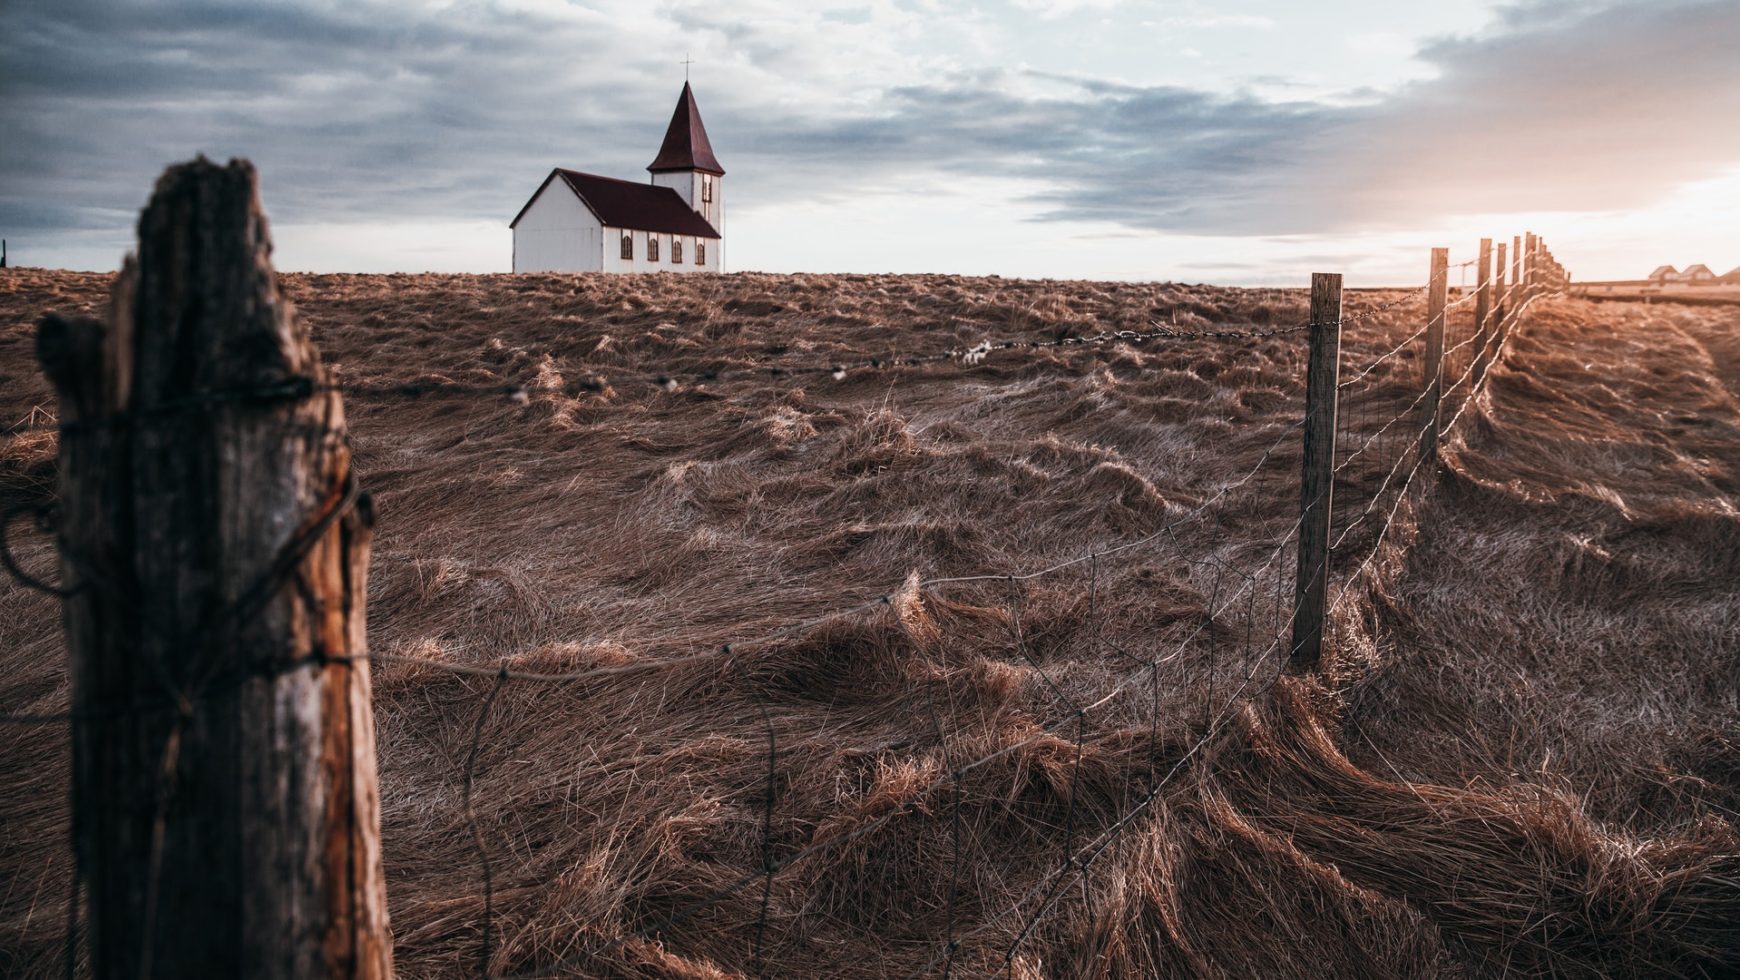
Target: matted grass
(1523, 761)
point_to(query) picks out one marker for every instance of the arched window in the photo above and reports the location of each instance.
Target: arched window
(652, 248)
(706, 189)
(628, 246)
(676, 251)
(700, 253)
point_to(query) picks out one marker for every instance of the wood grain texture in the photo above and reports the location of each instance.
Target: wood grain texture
(1502, 300)
(1437, 297)
(226, 810)
(1483, 310)
(1317, 475)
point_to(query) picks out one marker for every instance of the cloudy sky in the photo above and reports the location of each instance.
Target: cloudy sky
(1242, 141)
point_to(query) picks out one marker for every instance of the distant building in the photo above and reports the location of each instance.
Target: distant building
(580, 222)
(1733, 276)
(1697, 273)
(1664, 273)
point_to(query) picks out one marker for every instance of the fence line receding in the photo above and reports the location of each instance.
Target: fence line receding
(196, 645)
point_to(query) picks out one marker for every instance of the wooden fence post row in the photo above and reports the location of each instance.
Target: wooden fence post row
(225, 811)
(1522, 269)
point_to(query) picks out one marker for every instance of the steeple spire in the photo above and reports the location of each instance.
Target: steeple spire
(686, 146)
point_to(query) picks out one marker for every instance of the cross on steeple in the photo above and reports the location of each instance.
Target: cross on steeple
(687, 61)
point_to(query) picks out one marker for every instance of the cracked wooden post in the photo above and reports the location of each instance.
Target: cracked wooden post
(1317, 474)
(225, 813)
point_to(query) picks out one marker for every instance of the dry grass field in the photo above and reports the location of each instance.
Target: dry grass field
(1524, 759)
(1702, 294)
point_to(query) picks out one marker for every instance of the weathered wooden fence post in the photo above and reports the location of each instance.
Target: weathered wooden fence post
(1437, 290)
(225, 810)
(1501, 304)
(1317, 476)
(1516, 265)
(1482, 315)
(1531, 264)
(1519, 287)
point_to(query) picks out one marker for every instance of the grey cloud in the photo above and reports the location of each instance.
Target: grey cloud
(349, 117)
(356, 112)
(1560, 109)
(1152, 158)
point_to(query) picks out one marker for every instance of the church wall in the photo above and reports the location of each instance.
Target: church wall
(558, 234)
(614, 262)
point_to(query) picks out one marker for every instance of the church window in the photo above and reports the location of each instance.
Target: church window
(652, 248)
(676, 251)
(700, 253)
(706, 188)
(628, 246)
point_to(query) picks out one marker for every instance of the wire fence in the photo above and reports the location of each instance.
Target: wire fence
(1242, 634)
(1387, 409)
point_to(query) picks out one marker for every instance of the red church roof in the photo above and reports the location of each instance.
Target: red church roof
(623, 204)
(686, 146)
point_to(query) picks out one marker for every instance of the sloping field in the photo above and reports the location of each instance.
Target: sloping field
(1524, 760)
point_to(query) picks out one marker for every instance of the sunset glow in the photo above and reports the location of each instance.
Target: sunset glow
(1077, 138)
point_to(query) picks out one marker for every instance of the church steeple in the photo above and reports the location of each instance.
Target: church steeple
(686, 146)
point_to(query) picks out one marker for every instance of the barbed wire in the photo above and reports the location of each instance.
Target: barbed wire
(1417, 334)
(1100, 845)
(1049, 886)
(727, 649)
(1412, 294)
(1350, 382)
(1389, 519)
(1076, 712)
(1344, 464)
(909, 804)
(1073, 860)
(1468, 297)
(838, 369)
(298, 388)
(1051, 882)
(1413, 442)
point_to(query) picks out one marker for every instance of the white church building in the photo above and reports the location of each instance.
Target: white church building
(579, 222)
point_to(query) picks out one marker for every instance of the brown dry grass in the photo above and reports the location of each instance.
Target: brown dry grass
(1525, 760)
(1649, 292)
